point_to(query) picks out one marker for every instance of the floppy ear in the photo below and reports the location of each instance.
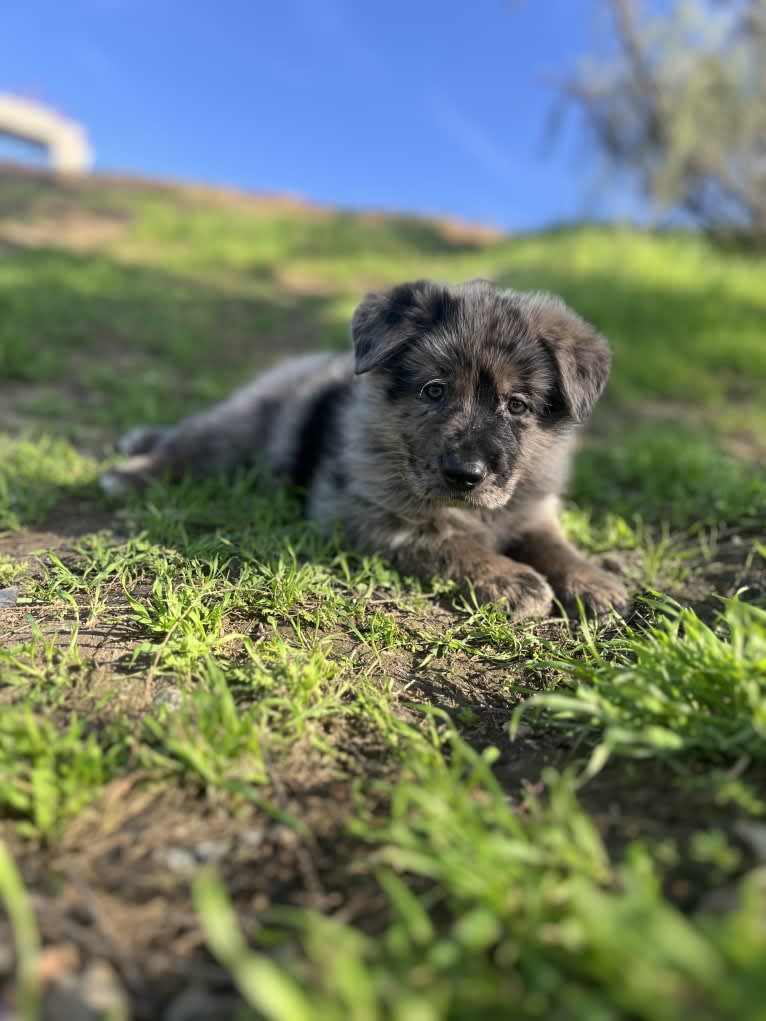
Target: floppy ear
(580, 357)
(383, 323)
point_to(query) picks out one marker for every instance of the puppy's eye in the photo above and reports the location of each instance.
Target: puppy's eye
(517, 406)
(433, 391)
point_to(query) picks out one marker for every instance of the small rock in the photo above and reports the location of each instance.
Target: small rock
(284, 835)
(722, 901)
(103, 991)
(8, 597)
(253, 837)
(94, 995)
(210, 850)
(58, 960)
(177, 859)
(522, 732)
(169, 698)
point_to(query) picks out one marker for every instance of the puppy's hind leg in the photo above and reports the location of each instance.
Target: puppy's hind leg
(129, 476)
(186, 449)
(214, 441)
(141, 439)
(133, 474)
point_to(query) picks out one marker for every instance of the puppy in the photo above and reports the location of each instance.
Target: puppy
(443, 443)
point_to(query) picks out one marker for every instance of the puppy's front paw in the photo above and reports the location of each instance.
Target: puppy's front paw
(525, 593)
(530, 595)
(599, 591)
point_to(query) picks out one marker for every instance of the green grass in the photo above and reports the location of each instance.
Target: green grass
(14, 899)
(205, 642)
(672, 475)
(670, 687)
(522, 915)
(35, 476)
(52, 769)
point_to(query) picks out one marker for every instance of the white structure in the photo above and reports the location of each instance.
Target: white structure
(65, 140)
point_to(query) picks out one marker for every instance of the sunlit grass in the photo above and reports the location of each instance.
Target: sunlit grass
(684, 318)
(676, 686)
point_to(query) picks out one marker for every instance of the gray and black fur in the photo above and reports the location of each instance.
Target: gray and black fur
(443, 442)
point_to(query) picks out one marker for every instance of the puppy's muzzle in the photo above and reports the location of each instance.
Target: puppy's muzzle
(463, 475)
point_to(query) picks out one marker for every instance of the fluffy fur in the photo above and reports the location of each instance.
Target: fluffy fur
(443, 442)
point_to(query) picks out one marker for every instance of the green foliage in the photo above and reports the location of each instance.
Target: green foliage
(26, 938)
(680, 109)
(522, 914)
(678, 686)
(36, 475)
(667, 475)
(52, 769)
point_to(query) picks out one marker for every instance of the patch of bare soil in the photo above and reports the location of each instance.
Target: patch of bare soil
(72, 520)
(78, 230)
(734, 568)
(77, 188)
(116, 885)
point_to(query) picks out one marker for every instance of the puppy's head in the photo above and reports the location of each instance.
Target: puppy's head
(475, 386)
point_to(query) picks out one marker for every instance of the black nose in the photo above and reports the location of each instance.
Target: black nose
(462, 474)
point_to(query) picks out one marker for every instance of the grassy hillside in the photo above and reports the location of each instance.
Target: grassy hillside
(415, 809)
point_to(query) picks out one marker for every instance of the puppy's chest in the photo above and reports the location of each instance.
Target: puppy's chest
(488, 526)
(496, 529)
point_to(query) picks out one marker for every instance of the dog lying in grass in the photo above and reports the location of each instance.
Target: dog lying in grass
(442, 443)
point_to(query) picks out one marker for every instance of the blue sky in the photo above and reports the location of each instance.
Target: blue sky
(430, 106)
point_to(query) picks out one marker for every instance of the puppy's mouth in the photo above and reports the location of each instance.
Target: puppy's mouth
(491, 494)
(445, 496)
(457, 500)
(475, 496)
